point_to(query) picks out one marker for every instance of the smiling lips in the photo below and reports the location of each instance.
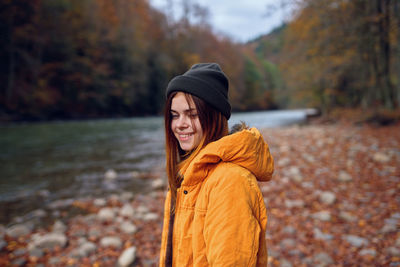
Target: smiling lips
(184, 137)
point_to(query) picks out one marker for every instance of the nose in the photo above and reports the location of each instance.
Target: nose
(183, 121)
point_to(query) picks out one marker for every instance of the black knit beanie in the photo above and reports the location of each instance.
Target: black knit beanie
(206, 81)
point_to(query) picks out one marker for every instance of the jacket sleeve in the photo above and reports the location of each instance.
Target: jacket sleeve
(231, 230)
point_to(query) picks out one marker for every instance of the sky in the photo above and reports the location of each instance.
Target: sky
(242, 20)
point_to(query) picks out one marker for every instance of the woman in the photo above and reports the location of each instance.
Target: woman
(214, 210)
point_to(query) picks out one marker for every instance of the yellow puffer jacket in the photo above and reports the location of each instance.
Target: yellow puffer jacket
(220, 217)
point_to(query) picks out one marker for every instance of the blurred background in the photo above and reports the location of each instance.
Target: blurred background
(82, 85)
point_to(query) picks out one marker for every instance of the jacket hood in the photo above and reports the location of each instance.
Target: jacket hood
(246, 148)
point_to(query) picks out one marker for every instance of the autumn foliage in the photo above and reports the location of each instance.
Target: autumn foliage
(96, 58)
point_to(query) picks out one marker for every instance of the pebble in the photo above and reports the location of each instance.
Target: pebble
(19, 252)
(38, 213)
(289, 230)
(347, 216)
(368, 252)
(355, 241)
(150, 216)
(318, 234)
(110, 175)
(84, 250)
(36, 252)
(59, 227)
(19, 262)
(94, 233)
(381, 157)
(128, 227)
(106, 215)
(111, 241)
(322, 216)
(3, 244)
(18, 230)
(158, 184)
(344, 177)
(393, 251)
(61, 203)
(298, 203)
(54, 261)
(126, 196)
(288, 242)
(283, 162)
(50, 240)
(285, 263)
(99, 202)
(127, 211)
(388, 228)
(327, 197)
(127, 257)
(295, 174)
(323, 259)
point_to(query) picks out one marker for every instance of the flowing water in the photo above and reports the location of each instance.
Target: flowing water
(44, 162)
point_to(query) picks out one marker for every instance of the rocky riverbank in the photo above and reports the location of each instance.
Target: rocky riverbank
(333, 201)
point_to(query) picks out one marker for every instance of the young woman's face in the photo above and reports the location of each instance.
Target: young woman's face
(185, 123)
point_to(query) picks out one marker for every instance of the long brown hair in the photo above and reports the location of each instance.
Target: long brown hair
(214, 126)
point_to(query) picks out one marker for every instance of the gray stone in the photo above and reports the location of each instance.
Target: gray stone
(61, 203)
(347, 216)
(3, 244)
(355, 241)
(36, 253)
(38, 213)
(19, 252)
(110, 175)
(158, 184)
(127, 257)
(128, 227)
(322, 216)
(2, 231)
(78, 233)
(106, 215)
(394, 252)
(99, 202)
(318, 234)
(285, 263)
(368, 252)
(288, 242)
(84, 250)
(344, 177)
(142, 210)
(289, 230)
(127, 211)
(94, 233)
(127, 196)
(150, 216)
(297, 203)
(19, 262)
(395, 215)
(54, 261)
(18, 230)
(381, 157)
(327, 197)
(111, 241)
(388, 228)
(295, 174)
(59, 227)
(323, 259)
(50, 240)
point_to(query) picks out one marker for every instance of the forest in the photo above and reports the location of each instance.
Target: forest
(74, 59)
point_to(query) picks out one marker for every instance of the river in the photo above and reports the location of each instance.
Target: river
(44, 162)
